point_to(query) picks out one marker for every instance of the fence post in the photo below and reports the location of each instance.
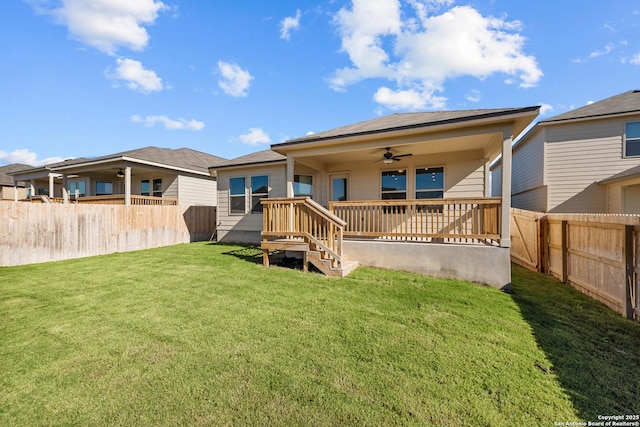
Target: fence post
(543, 250)
(629, 272)
(565, 252)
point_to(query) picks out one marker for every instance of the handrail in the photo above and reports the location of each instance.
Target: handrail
(301, 217)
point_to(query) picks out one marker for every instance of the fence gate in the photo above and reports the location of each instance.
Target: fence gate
(525, 239)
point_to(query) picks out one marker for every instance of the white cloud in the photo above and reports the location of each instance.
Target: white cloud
(170, 124)
(473, 95)
(607, 49)
(137, 77)
(105, 24)
(635, 59)
(421, 54)
(545, 109)
(255, 136)
(408, 99)
(235, 81)
(288, 24)
(26, 157)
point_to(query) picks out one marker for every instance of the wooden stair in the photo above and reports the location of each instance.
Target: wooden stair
(312, 254)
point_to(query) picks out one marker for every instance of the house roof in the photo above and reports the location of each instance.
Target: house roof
(260, 157)
(633, 172)
(181, 158)
(624, 103)
(5, 171)
(406, 121)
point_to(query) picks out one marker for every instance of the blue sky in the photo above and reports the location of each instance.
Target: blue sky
(84, 78)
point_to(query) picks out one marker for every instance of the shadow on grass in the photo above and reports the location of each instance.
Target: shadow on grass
(249, 253)
(593, 351)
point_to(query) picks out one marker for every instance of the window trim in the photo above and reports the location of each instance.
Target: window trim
(626, 140)
(243, 196)
(415, 181)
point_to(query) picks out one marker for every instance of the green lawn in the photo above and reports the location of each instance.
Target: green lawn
(202, 334)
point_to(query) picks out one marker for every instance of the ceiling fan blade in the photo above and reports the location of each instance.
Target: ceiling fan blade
(401, 155)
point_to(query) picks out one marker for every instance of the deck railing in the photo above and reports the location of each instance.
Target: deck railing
(113, 199)
(460, 220)
(301, 217)
(118, 199)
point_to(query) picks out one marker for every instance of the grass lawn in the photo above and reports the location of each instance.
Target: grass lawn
(202, 334)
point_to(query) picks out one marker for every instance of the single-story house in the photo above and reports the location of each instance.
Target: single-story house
(10, 190)
(407, 191)
(586, 160)
(149, 175)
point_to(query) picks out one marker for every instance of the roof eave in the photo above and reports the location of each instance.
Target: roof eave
(431, 126)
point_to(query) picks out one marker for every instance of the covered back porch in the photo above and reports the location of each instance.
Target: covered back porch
(398, 190)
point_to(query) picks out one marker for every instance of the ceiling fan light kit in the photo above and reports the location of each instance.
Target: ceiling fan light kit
(389, 157)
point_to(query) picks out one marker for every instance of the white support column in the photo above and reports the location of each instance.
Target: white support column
(15, 191)
(505, 215)
(487, 178)
(65, 191)
(290, 173)
(31, 190)
(51, 185)
(127, 185)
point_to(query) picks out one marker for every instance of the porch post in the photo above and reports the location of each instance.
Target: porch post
(290, 173)
(127, 185)
(505, 215)
(32, 188)
(51, 185)
(65, 191)
(15, 191)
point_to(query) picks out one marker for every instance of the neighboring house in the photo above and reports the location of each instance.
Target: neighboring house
(583, 161)
(10, 190)
(149, 175)
(375, 192)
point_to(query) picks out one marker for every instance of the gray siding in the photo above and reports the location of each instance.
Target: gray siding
(578, 155)
(528, 164)
(197, 191)
(247, 227)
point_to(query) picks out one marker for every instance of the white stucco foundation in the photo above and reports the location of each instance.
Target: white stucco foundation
(488, 265)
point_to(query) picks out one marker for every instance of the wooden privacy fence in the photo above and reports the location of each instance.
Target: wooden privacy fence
(597, 254)
(33, 232)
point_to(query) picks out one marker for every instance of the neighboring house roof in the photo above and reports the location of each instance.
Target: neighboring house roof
(5, 178)
(181, 158)
(260, 157)
(629, 173)
(624, 103)
(406, 121)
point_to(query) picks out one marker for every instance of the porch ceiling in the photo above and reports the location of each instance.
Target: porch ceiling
(373, 150)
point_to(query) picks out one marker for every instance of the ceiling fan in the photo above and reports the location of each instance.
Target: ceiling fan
(389, 157)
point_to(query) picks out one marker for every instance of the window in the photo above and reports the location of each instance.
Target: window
(632, 139)
(145, 187)
(259, 190)
(78, 186)
(104, 188)
(237, 195)
(157, 187)
(302, 185)
(394, 184)
(430, 183)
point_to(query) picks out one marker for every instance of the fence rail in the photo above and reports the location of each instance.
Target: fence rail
(597, 254)
(450, 220)
(40, 232)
